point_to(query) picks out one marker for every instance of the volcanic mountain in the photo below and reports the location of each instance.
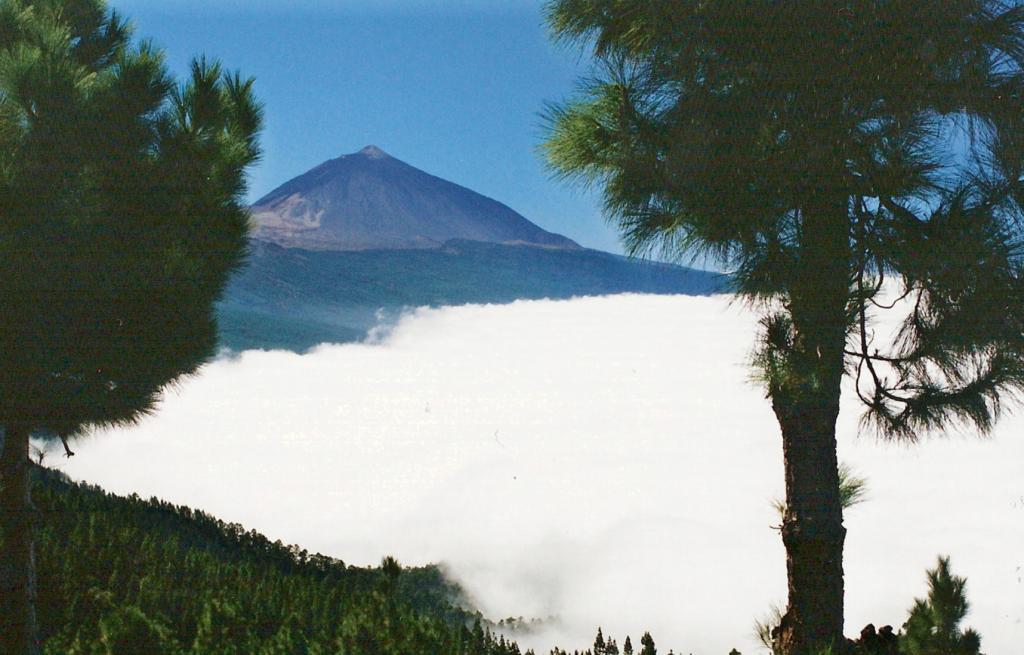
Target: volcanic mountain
(350, 245)
(371, 201)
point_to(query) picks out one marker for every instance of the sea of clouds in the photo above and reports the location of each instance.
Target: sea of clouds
(606, 461)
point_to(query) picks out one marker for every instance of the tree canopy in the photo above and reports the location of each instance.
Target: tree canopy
(842, 160)
(121, 217)
(710, 125)
(121, 213)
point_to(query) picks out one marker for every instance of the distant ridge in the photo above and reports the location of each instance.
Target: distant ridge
(294, 299)
(369, 200)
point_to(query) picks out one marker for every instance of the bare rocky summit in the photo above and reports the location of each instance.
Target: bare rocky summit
(369, 200)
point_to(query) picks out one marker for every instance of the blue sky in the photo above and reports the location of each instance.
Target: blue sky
(454, 87)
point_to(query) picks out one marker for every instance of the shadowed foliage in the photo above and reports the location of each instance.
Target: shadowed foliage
(130, 576)
(842, 159)
(934, 624)
(120, 221)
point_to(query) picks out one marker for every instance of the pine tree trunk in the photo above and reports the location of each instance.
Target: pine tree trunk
(18, 632)
(807, 406)
(812, 531)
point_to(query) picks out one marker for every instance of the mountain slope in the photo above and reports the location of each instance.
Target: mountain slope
(370, 200)
(295, 299)
(127, 576)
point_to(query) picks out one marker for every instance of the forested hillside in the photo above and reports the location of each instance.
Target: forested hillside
(128, 576)
(121, 576)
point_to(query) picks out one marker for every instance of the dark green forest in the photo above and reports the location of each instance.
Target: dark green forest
(119, 576)
(130, 576)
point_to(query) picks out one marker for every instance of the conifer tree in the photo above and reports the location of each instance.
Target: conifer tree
(128, 631)
(222, 630)
(121, 217)
(647, 645)
(934, 624)
(818, 150)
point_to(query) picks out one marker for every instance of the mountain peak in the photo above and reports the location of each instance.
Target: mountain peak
(369, 200)
(373, 152)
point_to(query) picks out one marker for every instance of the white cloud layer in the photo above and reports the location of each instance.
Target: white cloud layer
(604, 460)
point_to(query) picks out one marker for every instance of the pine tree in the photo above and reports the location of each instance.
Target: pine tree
(121, 217)
(222, 630)
(647, 645)
(128, 631)
(934, 624)
(811, 149)
(599, 646)
(627, 647)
